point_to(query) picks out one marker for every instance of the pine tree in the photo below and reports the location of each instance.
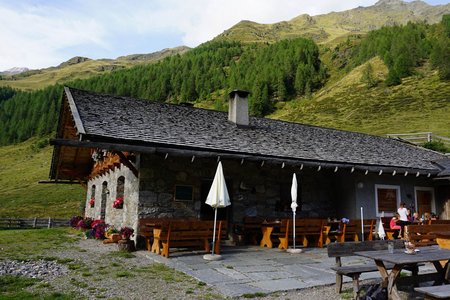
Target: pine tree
(368, 77)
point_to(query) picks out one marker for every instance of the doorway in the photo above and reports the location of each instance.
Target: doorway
(424, 200)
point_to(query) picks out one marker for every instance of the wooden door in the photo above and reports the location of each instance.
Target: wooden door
(424, 198)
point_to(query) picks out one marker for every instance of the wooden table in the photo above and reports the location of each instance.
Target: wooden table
(332, 226)
(443, 239)
(267, 229)
(157, 228)
(400, 259)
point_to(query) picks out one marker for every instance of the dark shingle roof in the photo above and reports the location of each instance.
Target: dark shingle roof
(129, 119)
(445, 165)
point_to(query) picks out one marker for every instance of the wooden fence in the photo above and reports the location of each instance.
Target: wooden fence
(420, 138)
(10, 223)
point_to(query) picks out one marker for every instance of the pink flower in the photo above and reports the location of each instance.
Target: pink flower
(126, 232)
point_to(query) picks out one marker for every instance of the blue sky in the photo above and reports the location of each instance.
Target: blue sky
(39, 34)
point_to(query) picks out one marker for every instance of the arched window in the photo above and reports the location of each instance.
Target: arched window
(92, 199)
(120, 191)
(105, 193)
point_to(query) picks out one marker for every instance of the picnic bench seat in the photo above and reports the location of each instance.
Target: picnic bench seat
(438, 221)
(347, 249)
(188, 234)
(435, 292)
(250, 228)
(306, 231)
(146, 226)
(348, 231)
(425, 235)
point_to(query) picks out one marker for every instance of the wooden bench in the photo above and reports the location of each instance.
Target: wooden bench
(189, 234)
(306, 230)
(369, 228)
(251, 229)
(425, 235)
(353, 271)
(435, 292)
(348, 231)
(146, 226)
(439, 221)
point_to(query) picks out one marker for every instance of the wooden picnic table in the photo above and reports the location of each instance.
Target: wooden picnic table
(400, 259)
(267, 229)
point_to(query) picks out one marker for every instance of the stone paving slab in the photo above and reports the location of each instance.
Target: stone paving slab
(279, 284)
(238, 289)
(252, 269)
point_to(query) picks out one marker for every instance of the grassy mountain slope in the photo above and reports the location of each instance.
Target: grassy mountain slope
(420, 103)
(21, 167)
(329, 27)
(78, 68)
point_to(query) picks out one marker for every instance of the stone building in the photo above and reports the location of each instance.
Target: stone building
(160, 159)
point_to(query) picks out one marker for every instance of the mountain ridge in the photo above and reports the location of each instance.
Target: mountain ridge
(326, 28)
(14, 71)
(79, 67)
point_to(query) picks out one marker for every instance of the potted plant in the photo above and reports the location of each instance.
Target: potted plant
(125, 244)
(112, 235)
(126, 232)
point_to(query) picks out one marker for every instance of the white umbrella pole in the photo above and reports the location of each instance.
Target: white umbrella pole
(214, 233)
(293, 227)
(362, 224)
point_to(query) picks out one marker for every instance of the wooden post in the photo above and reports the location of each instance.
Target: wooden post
(49, 222)
(429, 137)
(34, 222)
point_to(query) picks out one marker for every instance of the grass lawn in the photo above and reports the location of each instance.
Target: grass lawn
(22, 166)
(92, 272)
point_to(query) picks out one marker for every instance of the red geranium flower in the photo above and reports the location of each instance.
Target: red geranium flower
(118, 203)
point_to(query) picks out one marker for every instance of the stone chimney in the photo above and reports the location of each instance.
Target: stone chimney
(238, 108)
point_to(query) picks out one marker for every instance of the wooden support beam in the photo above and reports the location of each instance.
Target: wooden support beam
(127, 162)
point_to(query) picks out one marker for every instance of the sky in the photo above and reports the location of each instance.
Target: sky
(43, 33)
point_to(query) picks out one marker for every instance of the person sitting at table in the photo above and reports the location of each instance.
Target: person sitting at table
(394, 226)
(426, 217)
(415, 218)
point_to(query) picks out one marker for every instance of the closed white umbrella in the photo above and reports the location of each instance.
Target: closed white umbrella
(218, 197)
(294, 206)
(380, 230)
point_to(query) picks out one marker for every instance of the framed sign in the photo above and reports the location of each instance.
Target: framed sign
(184, 192)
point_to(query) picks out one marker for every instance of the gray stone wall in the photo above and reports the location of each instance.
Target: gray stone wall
(254, 189)
(127, 216)
(264, 190)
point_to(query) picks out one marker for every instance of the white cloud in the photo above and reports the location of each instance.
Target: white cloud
(35, 39)
(38, 34)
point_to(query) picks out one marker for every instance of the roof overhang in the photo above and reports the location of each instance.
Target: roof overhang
(193, 152)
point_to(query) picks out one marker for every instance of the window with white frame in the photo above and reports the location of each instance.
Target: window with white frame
(387, 198)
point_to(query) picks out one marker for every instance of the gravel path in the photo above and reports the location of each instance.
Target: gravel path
(93, 270)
